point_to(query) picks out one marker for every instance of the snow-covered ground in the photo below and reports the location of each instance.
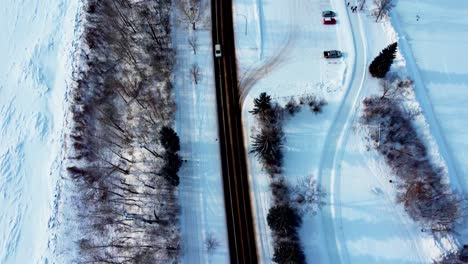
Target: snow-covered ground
(291, 34)
(369, 226)
(35, 47)
(361, 222)
(201, 186)
(434, 46)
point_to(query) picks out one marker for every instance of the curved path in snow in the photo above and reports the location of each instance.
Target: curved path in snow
(333, 151)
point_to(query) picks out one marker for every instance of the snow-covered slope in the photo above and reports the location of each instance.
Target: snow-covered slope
(36, 41)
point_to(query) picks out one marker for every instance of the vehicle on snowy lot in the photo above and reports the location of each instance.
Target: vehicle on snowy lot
(328, 13)
(329, 21)
(218, 51)
(330, 54)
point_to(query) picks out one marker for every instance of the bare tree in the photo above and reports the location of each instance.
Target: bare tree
(211, 242)
(382, 8)
(191, 10)
(307, 196)
(193, 42)
(397, 89)
(196, 74)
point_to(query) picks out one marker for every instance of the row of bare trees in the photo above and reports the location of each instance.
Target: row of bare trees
(123, 158)
(421, 185)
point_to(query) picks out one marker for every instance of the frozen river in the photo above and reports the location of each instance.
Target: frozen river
(34, 49)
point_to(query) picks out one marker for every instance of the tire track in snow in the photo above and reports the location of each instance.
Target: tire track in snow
(333, 148)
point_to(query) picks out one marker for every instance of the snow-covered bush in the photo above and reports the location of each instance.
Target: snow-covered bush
(426, 197)
(292, 107)
(315, 104)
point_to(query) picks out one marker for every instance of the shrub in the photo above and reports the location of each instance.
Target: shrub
(283, 219)
(425, 196)
(292, 107)
(288, 252)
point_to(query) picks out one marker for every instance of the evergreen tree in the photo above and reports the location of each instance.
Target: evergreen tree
(381, 64)
(288, 252)
(283, 219)
(261, 104)
(171, 143)
(171, 168)
(169, 139)
(267, 143)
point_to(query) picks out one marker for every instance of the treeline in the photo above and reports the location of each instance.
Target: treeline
(284, 217)
(425, 195)
(422, 190)
(123, 155)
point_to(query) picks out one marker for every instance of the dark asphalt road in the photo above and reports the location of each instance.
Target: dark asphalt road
(236, 184)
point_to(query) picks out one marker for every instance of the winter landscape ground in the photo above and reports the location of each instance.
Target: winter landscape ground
(35, 51)
(279, 47)
(360, 223)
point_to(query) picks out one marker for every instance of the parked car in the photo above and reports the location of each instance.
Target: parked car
(328, 13)
(329, 21)
(218, 51)
(330, 54)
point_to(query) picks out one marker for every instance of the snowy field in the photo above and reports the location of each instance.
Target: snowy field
(36, 42)
(361, 222)
(201, 185)
(435, 47)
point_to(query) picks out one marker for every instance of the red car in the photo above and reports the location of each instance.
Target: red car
(329, 21)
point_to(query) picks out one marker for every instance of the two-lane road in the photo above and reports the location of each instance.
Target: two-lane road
(236, 185)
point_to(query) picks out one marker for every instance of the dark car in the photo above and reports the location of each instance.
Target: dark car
(328, 13)
(330, 54)
(329, 21)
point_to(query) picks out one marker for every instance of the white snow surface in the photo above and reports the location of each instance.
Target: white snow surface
(435, 47)
(361, 222)
(36, 42)
(201, 183)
